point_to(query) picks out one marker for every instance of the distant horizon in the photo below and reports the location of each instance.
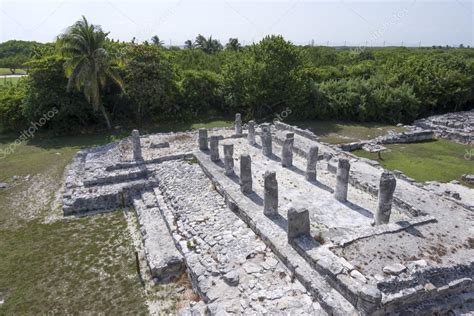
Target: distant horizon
(345, 23)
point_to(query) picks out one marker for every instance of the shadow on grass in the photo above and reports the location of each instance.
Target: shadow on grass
(97, 136)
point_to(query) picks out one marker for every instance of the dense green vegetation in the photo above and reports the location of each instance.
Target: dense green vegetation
(207, 79)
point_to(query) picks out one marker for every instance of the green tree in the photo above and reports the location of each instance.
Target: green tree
(266, 79)
(88, 65)
(208, 45)
(233, 44)
(157, 41)
(150, 82)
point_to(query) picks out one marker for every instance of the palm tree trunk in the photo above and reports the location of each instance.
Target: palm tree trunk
(106, 116)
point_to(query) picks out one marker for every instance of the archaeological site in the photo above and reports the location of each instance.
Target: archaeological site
(268, 219)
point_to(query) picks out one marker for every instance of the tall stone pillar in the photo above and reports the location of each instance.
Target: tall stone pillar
(214, 144)
(298, 223)
(228, 159)
(238, 124)
(136, 145)
(388, 182)
(287, 150)
(202, 139)
(270, 198)
(245, 174)
(342, 179)
(266, 140)
(251, 134)
(311, 162)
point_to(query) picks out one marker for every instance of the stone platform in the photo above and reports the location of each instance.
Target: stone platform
(230, 227)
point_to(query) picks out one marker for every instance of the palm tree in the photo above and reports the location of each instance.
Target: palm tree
(208, 45)
(233, 44)
(188, 44)
(88, 65)
(156, 41)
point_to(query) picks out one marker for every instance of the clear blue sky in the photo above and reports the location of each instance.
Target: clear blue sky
(448, 22)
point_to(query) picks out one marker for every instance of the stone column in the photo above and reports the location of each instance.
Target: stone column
(251, 134)
(214, 144)
(287, 150)
(266, 140)
(228, 159)
(342, 179)
(202, 139)
(136, 145)
(270, 198)
(245, 174)
(311, 162)
(388, 182)
(298, 223)
(238, 124)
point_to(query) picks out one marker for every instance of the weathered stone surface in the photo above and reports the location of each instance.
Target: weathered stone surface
(214, 145)
(287, 150)
(266, 137)
(457, 126)
(228, 159)
(311, 161)
(238, 124)
(342, 180)
(270, 200)
(232, 278)
(202, 139)
(386, 189)
(165, 261)
(394, 269)
(3, 185)
(137, 147)
(245, 174)
(298, 223)
(251, 133)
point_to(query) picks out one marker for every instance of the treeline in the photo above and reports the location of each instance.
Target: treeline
(208, 79)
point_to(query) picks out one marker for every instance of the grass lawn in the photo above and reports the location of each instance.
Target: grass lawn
(57, 265)
(6, 80)
(6, 71)
(336, 132)
(438, 160)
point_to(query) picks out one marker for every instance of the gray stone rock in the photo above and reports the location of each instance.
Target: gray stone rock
(214, 145)
(311, 161)
(266, 137)
(228, 159)
(3, 185)
(136, 145)
(270, 199)
(245, 174)
(298, 223)
(202, 139)
(394, 269)
(342, 180)
(387, 186)
(238, 124)
(251, 133)
(232, 278)
(287, 150)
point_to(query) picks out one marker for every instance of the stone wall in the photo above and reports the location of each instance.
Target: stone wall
(392, 138)
(457, 126)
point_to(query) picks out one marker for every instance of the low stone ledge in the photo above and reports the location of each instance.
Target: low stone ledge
(302, 132)
(388, 229)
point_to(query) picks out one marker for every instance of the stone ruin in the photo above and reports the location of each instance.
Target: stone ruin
(456, 126)
(268, 220)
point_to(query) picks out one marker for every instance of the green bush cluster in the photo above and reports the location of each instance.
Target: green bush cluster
(389, 85)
